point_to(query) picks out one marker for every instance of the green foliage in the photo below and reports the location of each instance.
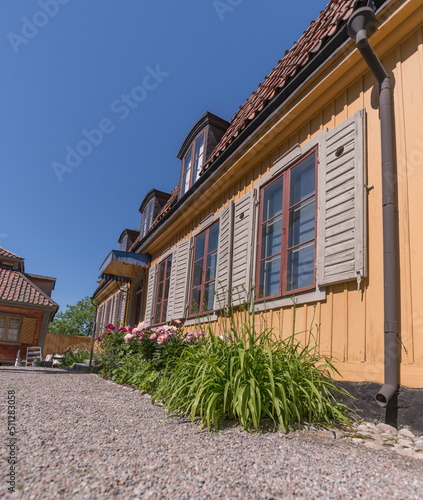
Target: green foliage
(252, 377)
(75, 320)
(76, 355)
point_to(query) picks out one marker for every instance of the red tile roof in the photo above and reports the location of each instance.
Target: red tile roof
(15, 287)
(309, 44)
(7, 254)
(166, 206)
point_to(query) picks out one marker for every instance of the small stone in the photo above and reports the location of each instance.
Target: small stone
(386, 428)
(328, 434)
(373, 445)
(419, 443)
(357, 440)
(406, 433)
(406, 452)
(362, 427)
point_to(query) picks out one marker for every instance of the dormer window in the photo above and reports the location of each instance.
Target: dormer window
(123, 243)
(192, 163)
(147, 218)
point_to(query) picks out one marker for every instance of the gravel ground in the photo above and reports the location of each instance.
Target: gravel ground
(79, 436)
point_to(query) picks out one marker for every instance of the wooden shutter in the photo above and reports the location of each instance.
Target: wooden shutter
(242, 248)
(27, 331)
(171, 296)
(150, 294)
(223, 271)
(181, 278)
(341, 232)
(123, 308)
(114, 308)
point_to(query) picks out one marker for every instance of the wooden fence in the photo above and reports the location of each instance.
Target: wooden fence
(56, 343)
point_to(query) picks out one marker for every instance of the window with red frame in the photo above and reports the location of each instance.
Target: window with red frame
(147, 218)
(192, 163)
(287, 231)
(204, 271)
(162, 291)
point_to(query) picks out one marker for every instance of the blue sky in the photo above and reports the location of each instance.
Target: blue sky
(68, 67)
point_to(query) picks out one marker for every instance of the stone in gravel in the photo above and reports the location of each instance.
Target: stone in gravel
(362, 427)
(405, 442)
(357, 440)
(406, 452)
(406, 433)
(419, 443)
(373, 445)
(386, 428)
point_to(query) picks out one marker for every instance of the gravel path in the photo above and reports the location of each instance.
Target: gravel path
(79, 436)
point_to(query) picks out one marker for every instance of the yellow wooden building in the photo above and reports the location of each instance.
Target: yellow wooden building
(287, 198)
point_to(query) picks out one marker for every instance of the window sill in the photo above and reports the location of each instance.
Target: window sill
(303, 298)
(201, 320)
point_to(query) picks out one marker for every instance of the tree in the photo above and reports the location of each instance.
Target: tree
(75, 320)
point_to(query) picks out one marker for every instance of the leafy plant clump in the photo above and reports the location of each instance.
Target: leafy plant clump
(77, 354)
(253, 378)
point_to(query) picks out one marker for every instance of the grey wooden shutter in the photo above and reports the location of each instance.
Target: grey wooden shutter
(341, 233)
(181, 279)
(114, 308)
(123, 309)
(223, 271)
(172, 283)
(242, 248)
(150, 294)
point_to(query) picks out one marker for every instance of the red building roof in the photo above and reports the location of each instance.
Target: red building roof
(9, 255)
(15, 287)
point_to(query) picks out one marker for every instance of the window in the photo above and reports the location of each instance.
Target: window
(287, 229)
(162, 292)
(9, 328)
(123, 243)
(192, 163)
(204, 270)
(147, 218)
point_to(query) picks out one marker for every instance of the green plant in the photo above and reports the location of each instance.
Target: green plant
(252, 376)
(76, 355)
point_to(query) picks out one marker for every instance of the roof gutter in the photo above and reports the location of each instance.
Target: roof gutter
(360, 26)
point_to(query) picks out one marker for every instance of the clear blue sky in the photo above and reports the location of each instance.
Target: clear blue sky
(67, 70)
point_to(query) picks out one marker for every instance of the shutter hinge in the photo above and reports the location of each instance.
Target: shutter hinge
(359, 280)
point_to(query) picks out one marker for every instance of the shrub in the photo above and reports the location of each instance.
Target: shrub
(77, 354)
(252, 377)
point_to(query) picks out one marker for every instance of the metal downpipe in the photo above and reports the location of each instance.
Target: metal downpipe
(360, 26)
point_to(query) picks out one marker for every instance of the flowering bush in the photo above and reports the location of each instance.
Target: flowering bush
(159, 346)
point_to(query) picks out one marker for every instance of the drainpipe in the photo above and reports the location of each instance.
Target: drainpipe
(361, 25)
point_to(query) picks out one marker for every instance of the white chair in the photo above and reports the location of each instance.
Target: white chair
(33, 353)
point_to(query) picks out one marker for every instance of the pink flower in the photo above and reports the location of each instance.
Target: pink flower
(123, 329)
(130, 329)
(142, 325)
(153, 336)
(110, 326)
(162, 338)
(177, 321)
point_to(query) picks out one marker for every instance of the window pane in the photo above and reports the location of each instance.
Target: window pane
(162, 271)
(164, 312)
(13, 330)
(150, 214)
(208, 297)
(271, 237)
(142, 225)
(187, 171)
(213, 238)
(211, 267)
(272, 199)
(198, 273)
(169, 267)
(198, 157)
(2, 326)
(157, 313)
(199, 246)
(160, 292)
(166, 289)
(302, 180)
(270, 277)
(195, 300)
(301, 223)
(300, 267)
